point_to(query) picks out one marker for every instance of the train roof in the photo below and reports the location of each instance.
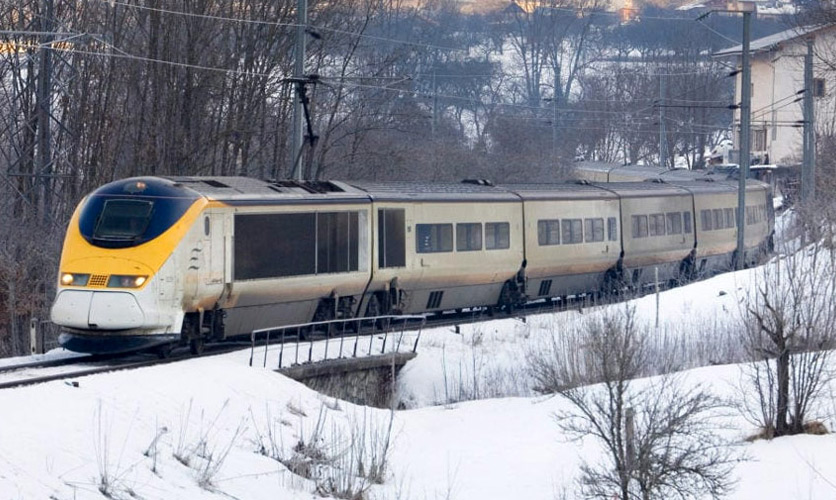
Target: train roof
(566, 190)
(611, 172)
(247, 190)
(643, 189)
(434, 191)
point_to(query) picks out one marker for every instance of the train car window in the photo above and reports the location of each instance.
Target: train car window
(749, 218)
(686, 222)
(548, 232)
(336, 242)
(433, 238)
(656, 226)
(593, 230)
(729, 215)
(206, 226)
(705, 220)
(612, 229)
(468, 237)
(497, 235)
(572, 231)
(123, 219)
(719, 220)
(274, 245)
(391, 244)
(639, 226)
(673, 222)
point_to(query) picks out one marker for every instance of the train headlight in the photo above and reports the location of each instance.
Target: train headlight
(126, 281)
(74, 279)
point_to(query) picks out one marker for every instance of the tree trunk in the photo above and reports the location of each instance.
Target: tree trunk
(783, 374)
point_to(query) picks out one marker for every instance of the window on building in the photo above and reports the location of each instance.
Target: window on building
(819, 88)
(759, 139)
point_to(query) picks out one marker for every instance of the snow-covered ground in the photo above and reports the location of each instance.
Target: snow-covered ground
(214, 428)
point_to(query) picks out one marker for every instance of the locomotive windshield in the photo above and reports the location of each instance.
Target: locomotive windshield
(131, 212)
(123, 219)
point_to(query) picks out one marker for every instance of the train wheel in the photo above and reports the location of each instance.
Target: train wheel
(373, 309)
(192, 333)
(196, 346)
(164, 351)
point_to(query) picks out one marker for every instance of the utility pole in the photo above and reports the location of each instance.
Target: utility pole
(663, 143)
(44, 110)
(745, 140)
(299, 74)
(554, 118)
(808, 166)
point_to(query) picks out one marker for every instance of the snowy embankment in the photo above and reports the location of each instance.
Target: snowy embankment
(215, 428)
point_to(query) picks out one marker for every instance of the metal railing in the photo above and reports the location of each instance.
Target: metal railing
(336, 330)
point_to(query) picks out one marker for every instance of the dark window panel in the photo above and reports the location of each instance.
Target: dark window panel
(391, 237)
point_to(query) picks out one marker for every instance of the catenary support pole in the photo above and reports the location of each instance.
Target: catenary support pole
(299, 73)
(745, 130)
(808, 178)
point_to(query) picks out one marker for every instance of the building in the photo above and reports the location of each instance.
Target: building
(777, 63)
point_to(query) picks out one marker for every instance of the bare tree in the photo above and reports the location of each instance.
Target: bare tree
(790, 318)
(658, 434)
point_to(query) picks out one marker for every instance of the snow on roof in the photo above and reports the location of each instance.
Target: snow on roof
(772, 41)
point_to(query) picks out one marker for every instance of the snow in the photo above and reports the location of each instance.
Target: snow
(60, 441)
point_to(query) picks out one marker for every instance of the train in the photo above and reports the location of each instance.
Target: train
(152, 262)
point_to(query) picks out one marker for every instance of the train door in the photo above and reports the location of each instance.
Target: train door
(216, 271)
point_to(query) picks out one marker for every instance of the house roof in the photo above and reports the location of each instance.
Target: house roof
(771, 42)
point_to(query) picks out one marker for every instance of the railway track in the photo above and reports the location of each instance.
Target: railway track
(37, 372)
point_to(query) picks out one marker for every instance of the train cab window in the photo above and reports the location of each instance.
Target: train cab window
(572, 231)
(548, 232)
(612, 229)
(673, 222)
(497, 235)
(123, 219)
(706, 220)
(719, 220)
(656, 225)
(433, 238)
(468, 237)
(639, 226)
(729, 216)
(686, 222)
(593, 230)
(391, 244)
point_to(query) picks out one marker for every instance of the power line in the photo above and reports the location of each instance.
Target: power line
(278, 25)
